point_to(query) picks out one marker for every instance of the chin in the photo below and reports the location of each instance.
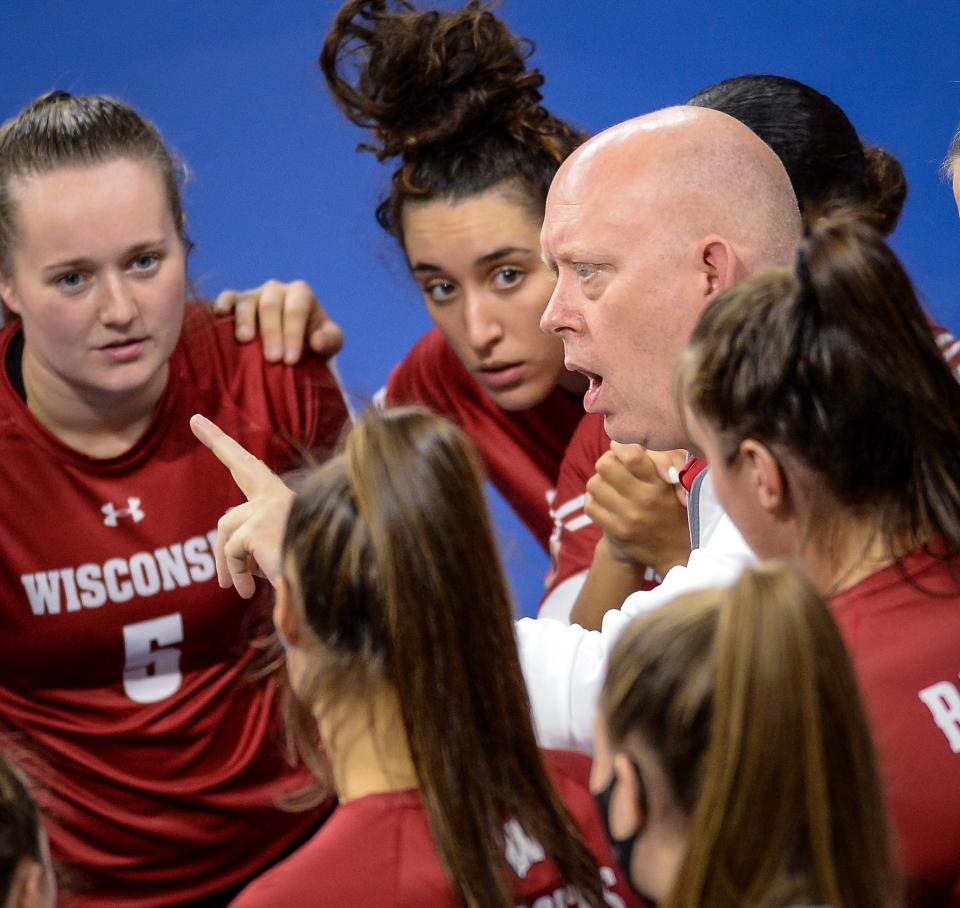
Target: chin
(520, 398)
(619, 431)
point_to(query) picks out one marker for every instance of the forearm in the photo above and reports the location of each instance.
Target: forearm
(609, 581)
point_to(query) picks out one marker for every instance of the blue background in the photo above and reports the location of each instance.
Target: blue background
(278, 190)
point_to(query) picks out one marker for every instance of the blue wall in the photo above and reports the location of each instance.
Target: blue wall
(279, 191)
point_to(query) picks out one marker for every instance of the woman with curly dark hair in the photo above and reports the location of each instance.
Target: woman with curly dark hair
(449, 95)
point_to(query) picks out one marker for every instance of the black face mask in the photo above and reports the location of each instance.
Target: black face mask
(623, 848)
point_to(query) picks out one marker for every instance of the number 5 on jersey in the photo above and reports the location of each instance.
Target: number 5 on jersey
(152, 669)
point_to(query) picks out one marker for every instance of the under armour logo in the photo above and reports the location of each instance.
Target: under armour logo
(112, 513)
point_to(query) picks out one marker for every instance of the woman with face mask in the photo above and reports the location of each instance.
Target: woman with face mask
(122, 665)
(831, 423)
(743, 772)
(401, 659)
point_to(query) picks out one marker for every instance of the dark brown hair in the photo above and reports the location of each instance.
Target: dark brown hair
(450, 94)
(60, 130)
(827, 163)
(397, 567)
(833, 363)
(19, 824)
(749, 702)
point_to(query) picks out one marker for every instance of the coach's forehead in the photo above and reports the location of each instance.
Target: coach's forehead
(658, 149)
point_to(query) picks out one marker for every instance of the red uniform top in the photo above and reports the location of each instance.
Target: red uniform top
(377, 852)
(902, 628)
(949, 347)
(123, 665)
(522, 449)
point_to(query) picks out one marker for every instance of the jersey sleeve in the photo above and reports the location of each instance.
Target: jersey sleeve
(574, 535)
(949, 347)
(302, 405)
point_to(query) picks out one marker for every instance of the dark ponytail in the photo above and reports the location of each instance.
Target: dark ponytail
(834, 362)
(450, 94)
(402, 585)
(827, 163)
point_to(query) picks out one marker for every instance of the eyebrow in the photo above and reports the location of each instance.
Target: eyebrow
(487, 259)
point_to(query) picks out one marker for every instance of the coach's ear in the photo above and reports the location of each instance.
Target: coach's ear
(719, 266)
(286, 618)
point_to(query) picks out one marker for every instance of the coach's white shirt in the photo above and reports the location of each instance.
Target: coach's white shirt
(564, 665)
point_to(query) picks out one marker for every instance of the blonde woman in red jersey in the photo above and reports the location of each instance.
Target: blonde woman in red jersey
(122, 666)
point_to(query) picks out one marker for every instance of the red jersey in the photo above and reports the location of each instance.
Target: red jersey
(123, 665)
(377, 852)
(902, 628)
(522, 449)
(949, 347)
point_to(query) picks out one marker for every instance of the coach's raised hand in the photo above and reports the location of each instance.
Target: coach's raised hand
(249, 536)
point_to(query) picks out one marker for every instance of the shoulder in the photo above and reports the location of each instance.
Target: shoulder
(568, 768)
(429, 372)
(363, 855)
(206, 334)
(587, 445)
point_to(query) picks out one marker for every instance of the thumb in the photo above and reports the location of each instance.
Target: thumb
(668, 464)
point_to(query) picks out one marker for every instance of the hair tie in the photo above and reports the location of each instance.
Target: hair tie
(802, 270)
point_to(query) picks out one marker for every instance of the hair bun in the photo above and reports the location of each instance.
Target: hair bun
(886, 187)
(51, 97)
(428, 78)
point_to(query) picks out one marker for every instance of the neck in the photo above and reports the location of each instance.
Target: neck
(847, 553)
(367, 746)
(97, 425)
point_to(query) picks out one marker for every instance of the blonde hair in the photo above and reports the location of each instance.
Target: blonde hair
(748, 699)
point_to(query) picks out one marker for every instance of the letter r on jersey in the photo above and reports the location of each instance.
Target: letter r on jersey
(943, 701)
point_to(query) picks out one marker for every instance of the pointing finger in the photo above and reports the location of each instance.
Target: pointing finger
(250, 474)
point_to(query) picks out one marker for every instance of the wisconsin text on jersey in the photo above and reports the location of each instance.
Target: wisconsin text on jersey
(523, 852)
(120, 579)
